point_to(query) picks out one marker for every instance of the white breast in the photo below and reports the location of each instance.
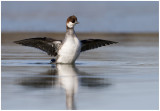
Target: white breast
(69, 51)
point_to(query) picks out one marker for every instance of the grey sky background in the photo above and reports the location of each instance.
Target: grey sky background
(97, 16)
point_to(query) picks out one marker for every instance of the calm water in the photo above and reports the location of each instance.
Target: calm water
(120, 76)
(104, 16)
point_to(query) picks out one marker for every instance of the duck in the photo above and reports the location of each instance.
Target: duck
(68, 50)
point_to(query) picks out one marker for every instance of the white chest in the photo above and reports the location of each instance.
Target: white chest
(69, 51)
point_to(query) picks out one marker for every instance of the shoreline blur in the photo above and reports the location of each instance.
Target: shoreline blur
(8, 38)
(86, 34)
(106, 33)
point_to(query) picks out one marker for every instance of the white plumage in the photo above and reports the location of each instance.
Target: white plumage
(69, 51)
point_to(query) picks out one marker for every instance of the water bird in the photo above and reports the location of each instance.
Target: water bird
(68, 50)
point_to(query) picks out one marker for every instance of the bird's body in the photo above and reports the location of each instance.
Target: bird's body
(68, 50)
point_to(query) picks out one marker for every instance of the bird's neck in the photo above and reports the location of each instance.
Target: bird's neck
(70, 32)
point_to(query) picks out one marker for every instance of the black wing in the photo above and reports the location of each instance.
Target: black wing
(94, 43)
(49, 45)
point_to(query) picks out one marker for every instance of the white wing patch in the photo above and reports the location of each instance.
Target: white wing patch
(57, 44)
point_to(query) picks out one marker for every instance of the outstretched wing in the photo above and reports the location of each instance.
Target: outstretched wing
(94, 43)
(49, 45)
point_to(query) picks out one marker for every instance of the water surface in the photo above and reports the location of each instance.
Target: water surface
(101, 16)
(120, 76)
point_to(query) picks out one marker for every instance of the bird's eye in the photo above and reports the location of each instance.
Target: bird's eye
(73, 20)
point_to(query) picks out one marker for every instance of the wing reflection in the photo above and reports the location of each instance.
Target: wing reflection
(67, 77)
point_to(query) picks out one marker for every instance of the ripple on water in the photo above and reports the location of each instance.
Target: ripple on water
(25, 63)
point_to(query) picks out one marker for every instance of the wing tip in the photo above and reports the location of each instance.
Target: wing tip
(115, 42)
(17, 42)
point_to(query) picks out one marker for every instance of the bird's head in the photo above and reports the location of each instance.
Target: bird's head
(71, 21)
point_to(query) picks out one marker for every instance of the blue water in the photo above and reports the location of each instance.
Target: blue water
(93, 16)
(120, 76)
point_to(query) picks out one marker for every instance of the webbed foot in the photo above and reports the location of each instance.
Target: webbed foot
(53, 61)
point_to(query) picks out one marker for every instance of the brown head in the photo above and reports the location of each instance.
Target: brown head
(71, 21)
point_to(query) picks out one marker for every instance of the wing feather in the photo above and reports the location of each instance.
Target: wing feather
(94, 43)
(48, 45)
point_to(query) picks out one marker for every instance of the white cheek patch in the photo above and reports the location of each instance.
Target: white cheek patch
(70, 24)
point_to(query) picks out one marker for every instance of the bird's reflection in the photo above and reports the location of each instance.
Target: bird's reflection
(69, 81)
(67, 77)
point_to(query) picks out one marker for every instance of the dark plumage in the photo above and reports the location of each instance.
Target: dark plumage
(94, 43)
(49, 45)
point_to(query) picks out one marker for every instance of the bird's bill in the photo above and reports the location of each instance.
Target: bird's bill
(77, 22)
